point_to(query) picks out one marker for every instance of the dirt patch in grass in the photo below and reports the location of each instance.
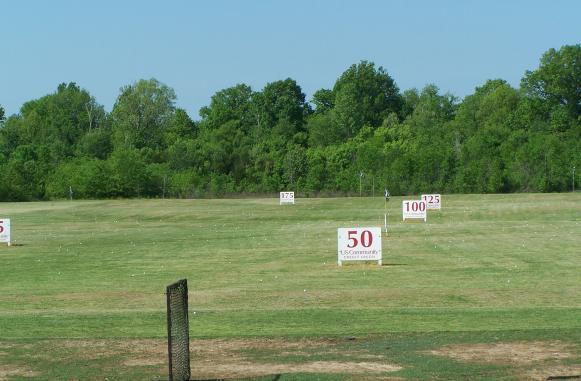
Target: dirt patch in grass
(517, 353)
(236, 369)
(220, 358)
(94, 349)
(11, 345)
(295, 353)
(15, 370)
(145, 362)
(232, 358)
(259, 344)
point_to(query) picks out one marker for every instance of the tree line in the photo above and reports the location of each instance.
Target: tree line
(360, 136)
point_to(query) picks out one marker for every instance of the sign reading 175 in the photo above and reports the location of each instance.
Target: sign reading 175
(287, 198)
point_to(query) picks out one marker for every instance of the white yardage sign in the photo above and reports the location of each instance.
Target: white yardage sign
(5, 230)
(359, 244)
(433, 201)
(287, 198)
(414, 209)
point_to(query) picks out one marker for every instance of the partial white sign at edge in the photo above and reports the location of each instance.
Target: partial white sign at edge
(5, 230)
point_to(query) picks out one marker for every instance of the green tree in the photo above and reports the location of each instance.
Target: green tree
(129, 173)
(365, 95)
(323, 130)
(295, 166)
(95, 144)
(86, 177)
(431, 108)
(282, 101)
(234, 103)
(180, 126)
(317, 174)
(224, 150)
(10, 136)
(410, 100)
(483, 124)
(185, 183)
(44, 135)
(557, 80)
(59, 119)
(25, 173)
(183, 154)
(324, 101)
(142, 113)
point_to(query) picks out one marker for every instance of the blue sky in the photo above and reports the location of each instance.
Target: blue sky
(200, 47)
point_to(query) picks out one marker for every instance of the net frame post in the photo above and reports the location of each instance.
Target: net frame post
(181, 285)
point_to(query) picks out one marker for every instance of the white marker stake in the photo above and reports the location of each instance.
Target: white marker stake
(359, 244)
(5, 230)
(385, 209)
(385, 222)
(287, 198)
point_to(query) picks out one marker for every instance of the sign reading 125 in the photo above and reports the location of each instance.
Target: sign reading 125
(359, 244)
(414, 209)
(433, 201)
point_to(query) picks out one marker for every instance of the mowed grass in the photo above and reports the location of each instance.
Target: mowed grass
(486, 268)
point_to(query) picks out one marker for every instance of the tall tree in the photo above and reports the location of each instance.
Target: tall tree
(181, 126)
(558, 79)
(142, 113)
(222, 146)
(233, 103)
(365, 95)
(59, 119)
(324, 100)
(282, 101)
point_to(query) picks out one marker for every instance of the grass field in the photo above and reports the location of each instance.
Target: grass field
(488, 288)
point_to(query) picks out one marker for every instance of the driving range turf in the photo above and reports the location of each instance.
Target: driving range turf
(488, 288)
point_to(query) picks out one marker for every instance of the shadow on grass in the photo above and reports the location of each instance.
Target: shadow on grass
(394, 264)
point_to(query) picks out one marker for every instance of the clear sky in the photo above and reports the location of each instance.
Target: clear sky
(200, 47)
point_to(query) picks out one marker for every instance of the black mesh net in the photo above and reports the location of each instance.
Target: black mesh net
(178, 331)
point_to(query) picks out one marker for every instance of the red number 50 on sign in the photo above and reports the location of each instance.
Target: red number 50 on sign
(366, 238)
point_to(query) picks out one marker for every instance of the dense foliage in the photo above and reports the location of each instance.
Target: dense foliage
(360, 136)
